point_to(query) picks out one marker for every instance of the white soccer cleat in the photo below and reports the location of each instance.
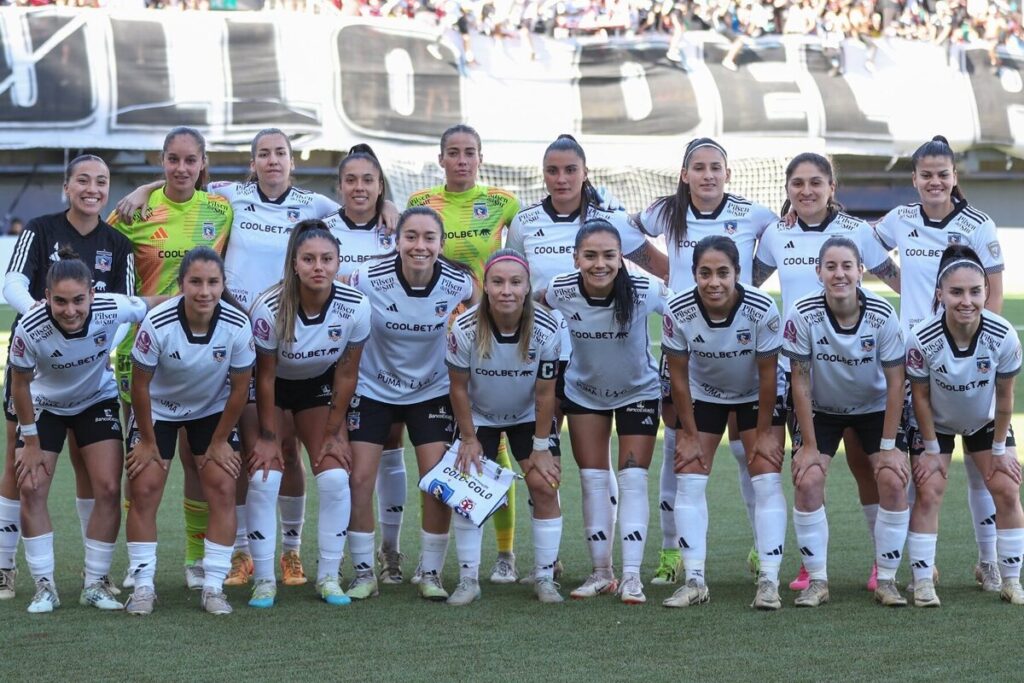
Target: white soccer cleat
(98, 595)
(215, 602)
(45, 600)
(546, 591)
(195, 576)
(596, 584)
(888, 594)
(924, 594)
(690, 594)
(390, 562)
(466, 592)
(987, 576)
(1012, 592)
(504, 569)
(767, 595)
(7, 577)
(631, 590)
(141, 601)
(815, 595)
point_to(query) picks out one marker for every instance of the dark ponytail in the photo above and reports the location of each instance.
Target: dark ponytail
(197, 137)
(623, 289)
(719, 243)
(364, 151)
(938, 146)
(69, 267)
(436, 217)
(589, 196)
(204, 253)
(955, 257)
(672, 209)
(822, 164)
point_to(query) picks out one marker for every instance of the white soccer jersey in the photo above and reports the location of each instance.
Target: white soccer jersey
(723, 355)
(404, 359)
(359, 243)
(319, 341)
(846, 365)
(72, 371)
(736, 218)
(259, 234)
(920, 243)
(501, 384)
(962, 383)
(191, 373)
(608, 368)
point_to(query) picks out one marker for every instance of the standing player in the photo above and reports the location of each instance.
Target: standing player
(502, 365)
(310, 331)
(80, 228)
(722, 341)
(847, 352)
(611, 373)
(920, 232)
(61, 382)
(961, 362)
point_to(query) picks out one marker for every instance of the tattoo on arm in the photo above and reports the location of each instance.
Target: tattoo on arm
(268, 435)
(887, 271)
(761, 272)
(640, 257)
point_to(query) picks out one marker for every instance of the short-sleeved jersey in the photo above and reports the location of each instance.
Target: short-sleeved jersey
(740, 220)
(501, 384)
(259, 234)
(723, 355)
(473, 221)
(319, 342)
(190, 372)
(609, 367)
(359, 243)
(920, 243)
(403, 361)
(72, 371)
(962, 382)
(847, 375)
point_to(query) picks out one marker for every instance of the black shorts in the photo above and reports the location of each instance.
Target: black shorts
(634, 419)
(560, 381)
(8, 399)
(252, 389)
(712, 418)
(199, 433)
(980, 440)
(520, 438)
(99, 422)
(829, 428)
(297, 395)
(428, 421)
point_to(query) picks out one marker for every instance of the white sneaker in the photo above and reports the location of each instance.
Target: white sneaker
(631, 590)
(466, 592)
(546, 591)
(691, 593)
(504, 569)
(1010, 591)
(767, 595)
(195, 576)
(7, 577)
(45, 600)
(597, 583)
(215, 602)
(363, 586)
(987, 576)
(141, 601)
(924, 594)
(98, 595)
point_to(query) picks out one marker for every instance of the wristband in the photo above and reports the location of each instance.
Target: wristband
(32, 430)
(887, 444)
(932, 446)
(541, 444)
(999, 447)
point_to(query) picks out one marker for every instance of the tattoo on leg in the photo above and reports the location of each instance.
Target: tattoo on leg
(630, 461)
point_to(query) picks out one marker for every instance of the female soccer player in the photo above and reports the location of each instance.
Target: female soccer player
(193, 357)
(611, 373)
(961, 362)
(722, 341)
(920, 232)
(109, 256)
(403, 379)
(793, 250)
(59, 357)
(310, 332)
(846, 351)
(502, 365)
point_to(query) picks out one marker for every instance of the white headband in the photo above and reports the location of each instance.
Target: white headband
(959, 262)
(706, 143)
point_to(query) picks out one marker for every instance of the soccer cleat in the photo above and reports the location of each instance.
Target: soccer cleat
(935, 580)
(987, 576)
(330, 591)
(363, 586)
(531, 578)
(631, 590)
(129, 579)
(292, 573)
(753, 561)
(802, 580)
(98, 595)
(241, 569)
(888, 594)
(504, 569)
(141, 601)
(194, 576)
(873, 578)
(669, 565)
(417, 575)
(1012, 592)
(45, 600)
(390, 562)
(597, 583)
(924, 594)
(815, 595)
(431, 588)
(215, 602)
(546, 591)
(7, 577)
(264, 594)
(466, 592)
(767, 595)
(691, 593)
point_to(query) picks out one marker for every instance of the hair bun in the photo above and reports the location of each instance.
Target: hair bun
(66, 252)
(566, 136)
(941, 138)
(362, 148)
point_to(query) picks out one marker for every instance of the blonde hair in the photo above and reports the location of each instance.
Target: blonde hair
(288, 289)
(484, 321)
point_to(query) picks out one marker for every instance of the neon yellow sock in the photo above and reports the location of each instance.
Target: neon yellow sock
(505, 518)
(197, 515)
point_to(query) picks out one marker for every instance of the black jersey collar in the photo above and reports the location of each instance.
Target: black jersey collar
(839, 329)
(549, 209)
(958, 207)
(319, 318)
(732, 313)
(714, 214)
(193, 338)
(280, 200)
(817, 228)
(352, 225)
(971, 348)
(504, 338)
(603, 302)
(81, 334)
(409, 290)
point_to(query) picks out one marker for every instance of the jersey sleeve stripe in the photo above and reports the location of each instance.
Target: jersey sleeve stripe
(975, 214)
(675, 352)
(453, 366)
(548, 324)
(21, 251)
(466, 320)
(793, 355)
(143, 366)
(894, 363)
(918, 380)
(768, 352)
(566, 280)
(1009, 373)
(235, 319)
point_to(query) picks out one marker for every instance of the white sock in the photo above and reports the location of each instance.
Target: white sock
(547, 537)
(667, 493)
(634, 516)
(613, 493)
(360, 546)
(890, 537)
(142, 563)
(769, 522)
(870, 515)
(10, 531)
(921, 548)
(261, 521)
(692, 523)
(332, 520)
(84, 508)
(216, 565)
(468, 539)
(391, 483)
(1010, 547)
(983, 512)
(241, 533)
(812, 537)
(597, 516)
(98, 556)
(39, 556)
(746, 488)
(433, 548)
(293, 515)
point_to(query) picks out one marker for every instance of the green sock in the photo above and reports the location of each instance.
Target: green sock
(197, 514)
